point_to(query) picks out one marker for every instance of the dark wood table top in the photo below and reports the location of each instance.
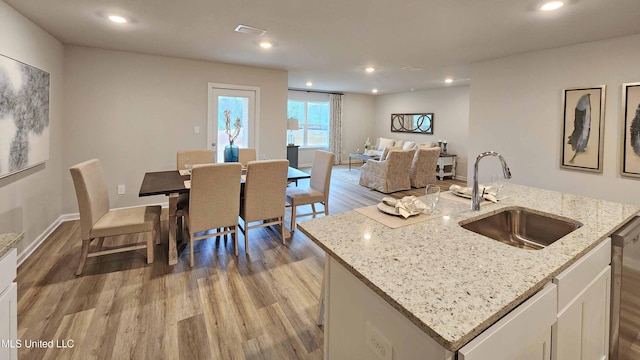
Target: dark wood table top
(171, 182)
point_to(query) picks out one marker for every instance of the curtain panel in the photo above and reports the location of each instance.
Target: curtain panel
(335, 126)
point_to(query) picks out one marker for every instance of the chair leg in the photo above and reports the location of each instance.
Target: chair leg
(180, 227)
(293, 218)
(150, 245)
(99, 245)
(190, 250)
(326, 207)
(313, 209)
(282, 229)
(246, 238)
(234, 236)
(83, 256)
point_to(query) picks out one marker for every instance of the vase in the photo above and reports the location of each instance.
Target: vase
(444, 148)
(231, 153)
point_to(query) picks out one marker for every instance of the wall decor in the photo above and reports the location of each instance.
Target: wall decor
(583, 128)
(24, 116)
(412, 123)
(631, 130)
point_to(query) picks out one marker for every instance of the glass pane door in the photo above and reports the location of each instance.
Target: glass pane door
(231, 107)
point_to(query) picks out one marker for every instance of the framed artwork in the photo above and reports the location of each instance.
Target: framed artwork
(583, 128)
(631, 130)
(24, 116)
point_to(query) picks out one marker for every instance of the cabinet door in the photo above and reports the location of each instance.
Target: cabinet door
(522, 334)
(582, 330)
(9, 323)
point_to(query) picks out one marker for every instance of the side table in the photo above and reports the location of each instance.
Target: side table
(443, 161)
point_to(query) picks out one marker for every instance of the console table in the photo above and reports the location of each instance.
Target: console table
(362, 157)
(443, 161)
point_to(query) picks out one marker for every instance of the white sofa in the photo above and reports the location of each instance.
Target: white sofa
(382, 143)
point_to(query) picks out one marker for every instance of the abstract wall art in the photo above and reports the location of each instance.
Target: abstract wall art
(24, 116)
(583, 128)
(631, 130)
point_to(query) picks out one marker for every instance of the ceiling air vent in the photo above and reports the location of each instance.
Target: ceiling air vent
(250, 30)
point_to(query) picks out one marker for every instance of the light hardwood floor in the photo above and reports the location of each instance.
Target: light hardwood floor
(259, 306)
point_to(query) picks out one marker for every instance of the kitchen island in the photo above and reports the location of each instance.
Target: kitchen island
(450, 283)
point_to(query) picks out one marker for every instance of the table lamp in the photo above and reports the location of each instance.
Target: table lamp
(292, 124)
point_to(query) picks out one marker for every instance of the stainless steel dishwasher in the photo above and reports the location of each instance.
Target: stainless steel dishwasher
(624, 343)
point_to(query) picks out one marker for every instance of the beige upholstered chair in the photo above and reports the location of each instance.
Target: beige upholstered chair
(97, 221)
(245, 155)
(423, 167)
(195, 157)
(264, 191)
(388, 175)
(318, 190)
(214, 203)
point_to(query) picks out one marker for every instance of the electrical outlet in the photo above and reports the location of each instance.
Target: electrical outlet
(121, 189)
(378, 343)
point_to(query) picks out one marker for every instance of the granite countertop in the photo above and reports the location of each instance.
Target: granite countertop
(453, 283)
(7, 241)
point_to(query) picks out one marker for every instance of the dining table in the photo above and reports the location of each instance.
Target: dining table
(171, 183)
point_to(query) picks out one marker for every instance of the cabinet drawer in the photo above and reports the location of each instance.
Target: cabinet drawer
(579, 275)
(7, 269)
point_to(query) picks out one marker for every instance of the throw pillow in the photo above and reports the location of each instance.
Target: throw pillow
(408, 145)
(384, 143)
(398, 143)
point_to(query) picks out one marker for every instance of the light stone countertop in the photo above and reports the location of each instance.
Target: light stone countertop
(453, 283)
(7, 242)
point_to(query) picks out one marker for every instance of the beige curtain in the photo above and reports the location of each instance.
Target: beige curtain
(335, 126)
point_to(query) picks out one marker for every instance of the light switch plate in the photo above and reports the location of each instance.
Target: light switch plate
(196, 130)
(121, 189)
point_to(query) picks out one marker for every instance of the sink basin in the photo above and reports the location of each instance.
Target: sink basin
(522, 228)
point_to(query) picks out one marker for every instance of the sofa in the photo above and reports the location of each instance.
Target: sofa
(383, 143)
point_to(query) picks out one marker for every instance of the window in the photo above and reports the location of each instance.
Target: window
(313, 119)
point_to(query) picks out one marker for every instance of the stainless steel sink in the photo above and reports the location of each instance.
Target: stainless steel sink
(522, 228)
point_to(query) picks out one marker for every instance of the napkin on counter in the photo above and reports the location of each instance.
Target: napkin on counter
(487, 192)
(407, 206)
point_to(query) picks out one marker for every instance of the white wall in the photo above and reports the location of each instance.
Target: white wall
(133, 112)
(516, 109)
(450, 107)
(31, 200)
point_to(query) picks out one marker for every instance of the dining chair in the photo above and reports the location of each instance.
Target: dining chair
(194, 157)
(97, 221)
(318, 189)
(214, 203)
(264, 191)
(245, 155)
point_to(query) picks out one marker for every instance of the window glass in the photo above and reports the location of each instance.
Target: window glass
(313, 120)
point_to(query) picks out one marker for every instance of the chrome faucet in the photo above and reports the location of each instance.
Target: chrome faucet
(475, 198)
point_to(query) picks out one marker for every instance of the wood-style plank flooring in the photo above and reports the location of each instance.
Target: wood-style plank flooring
(262, 305)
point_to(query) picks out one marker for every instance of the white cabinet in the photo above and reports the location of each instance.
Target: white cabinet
(582, 329)
(522, 334)
(8, 307)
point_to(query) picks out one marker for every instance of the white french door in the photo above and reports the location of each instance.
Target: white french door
(242, 102)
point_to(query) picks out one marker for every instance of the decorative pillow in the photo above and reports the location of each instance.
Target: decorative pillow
(398, 143)
(408, 145)
(384, 142)
(387, 150)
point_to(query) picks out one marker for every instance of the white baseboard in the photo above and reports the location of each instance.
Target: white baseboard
(39, 240)
(54, 225)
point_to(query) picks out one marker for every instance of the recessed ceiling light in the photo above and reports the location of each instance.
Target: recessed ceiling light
(266, 45)
(552, 5)
(117, 19)
(375, 91)
(309, 83)
(370, 69)
(411, 68)
(448, 81)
